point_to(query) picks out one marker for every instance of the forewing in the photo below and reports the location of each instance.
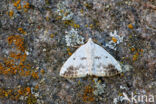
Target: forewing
(76, 65)
(104, 63)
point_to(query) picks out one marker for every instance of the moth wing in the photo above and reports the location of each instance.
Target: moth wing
(104, 63)
(76, 65)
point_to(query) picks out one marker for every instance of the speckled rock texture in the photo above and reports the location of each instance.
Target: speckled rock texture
(38, 36)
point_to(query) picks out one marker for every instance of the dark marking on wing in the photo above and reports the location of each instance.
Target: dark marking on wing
(97, 57)
(72, 71)
(83, 58)
(111, 70)
(106, 57)
(74, 58)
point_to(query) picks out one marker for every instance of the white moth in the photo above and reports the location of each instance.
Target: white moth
(90, 59)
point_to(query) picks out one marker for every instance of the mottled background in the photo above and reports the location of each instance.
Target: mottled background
(38, 36)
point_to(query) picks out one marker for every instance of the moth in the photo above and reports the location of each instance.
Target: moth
(90, 59)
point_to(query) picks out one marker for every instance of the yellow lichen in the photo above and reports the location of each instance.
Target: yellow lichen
(69, 53)
(114, 39)
(11, 13)
(76, 26)
(130, 26)
(91, 26)
(68, 49)
(21, 30)
(81, 11)
(52, 35)
(19, 7)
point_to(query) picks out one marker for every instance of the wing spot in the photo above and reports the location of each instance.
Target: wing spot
(97, 57)
(83, 58)
(74, 58)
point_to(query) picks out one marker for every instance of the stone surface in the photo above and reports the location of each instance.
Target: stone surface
(44, 26)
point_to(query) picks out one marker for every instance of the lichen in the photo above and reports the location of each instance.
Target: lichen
(72, 38)
(88, 95)
(116, 39)
(64, 12)
(99, 88)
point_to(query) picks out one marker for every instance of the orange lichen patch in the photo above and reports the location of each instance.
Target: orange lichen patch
(19, 7)
(21, 72)
(5, 93)
(135, 57)
(17, 40)
(35, 75)
(114, 39)
(26, 5)
(20, 91)
(21, 30)
(132, 49)
(27, 73)
(141, 50)
(15, 64)
(23, 57)
(17, 3)
(15, 94)
(69, 53)
(28, 90)
(28, 66)
(14, 55)
(130, 26)
(11, 13)
(88, 95)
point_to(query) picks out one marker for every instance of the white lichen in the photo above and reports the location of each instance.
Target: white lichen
(126, 68)
(64, 12)
(99, 88)
(72, 38)
(111, 44)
